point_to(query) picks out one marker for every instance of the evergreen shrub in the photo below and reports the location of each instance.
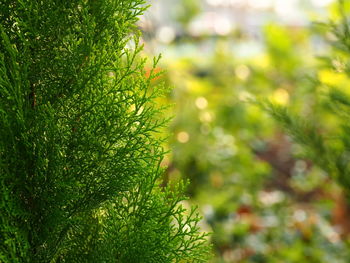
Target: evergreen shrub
(79, 154)
(323, 136)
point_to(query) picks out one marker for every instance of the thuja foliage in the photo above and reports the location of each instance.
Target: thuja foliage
(79, 154)
(324, 135)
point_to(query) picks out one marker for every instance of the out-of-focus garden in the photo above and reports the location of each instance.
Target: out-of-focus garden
(263, 197)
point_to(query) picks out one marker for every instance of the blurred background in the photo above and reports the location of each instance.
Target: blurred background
(260, 199)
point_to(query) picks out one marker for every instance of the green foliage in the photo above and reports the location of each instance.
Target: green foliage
(302, 131)
(264, 198)
(326, 144)
(80, 162)
(186, 10)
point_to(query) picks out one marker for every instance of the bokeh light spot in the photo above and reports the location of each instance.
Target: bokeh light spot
(165, 34)
(242, 72)
(206, 117)
(183, 137)
(281, 96)
(201, 103)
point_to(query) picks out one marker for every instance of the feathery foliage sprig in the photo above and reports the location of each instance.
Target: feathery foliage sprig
(79, 159)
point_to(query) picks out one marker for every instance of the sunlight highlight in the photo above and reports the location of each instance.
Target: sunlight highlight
(183, 137)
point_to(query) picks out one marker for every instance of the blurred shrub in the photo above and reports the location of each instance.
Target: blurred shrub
(263, 198)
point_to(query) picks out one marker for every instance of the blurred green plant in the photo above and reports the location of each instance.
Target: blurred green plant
(186, 10)
(324, 138)
(263, 199)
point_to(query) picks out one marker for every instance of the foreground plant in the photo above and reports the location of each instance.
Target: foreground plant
(80, 162)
